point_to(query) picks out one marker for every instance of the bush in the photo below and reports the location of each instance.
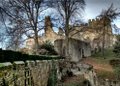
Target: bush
(116, 65)
(48, 46)
(52, 80)
(115, 62)
(117, 72)
(117, 47)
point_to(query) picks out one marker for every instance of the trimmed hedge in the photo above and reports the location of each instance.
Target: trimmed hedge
(10, 56)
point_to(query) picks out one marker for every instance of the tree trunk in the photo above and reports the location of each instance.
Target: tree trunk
(36, 43)
(103, 42)
(36, 31)
(67, 39)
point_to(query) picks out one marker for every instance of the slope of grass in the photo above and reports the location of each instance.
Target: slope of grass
(108, 55)
(102, 74)
(102, 64)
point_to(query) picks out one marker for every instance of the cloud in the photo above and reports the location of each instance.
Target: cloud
(94, 7)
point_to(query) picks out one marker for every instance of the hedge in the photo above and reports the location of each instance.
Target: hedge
(10, 56)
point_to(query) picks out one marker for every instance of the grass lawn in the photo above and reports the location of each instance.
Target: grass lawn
(108, 55)
(102, 74)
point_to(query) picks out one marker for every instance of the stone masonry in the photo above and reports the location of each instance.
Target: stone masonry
(29, 73)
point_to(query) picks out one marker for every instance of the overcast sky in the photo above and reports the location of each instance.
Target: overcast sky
(94, 7)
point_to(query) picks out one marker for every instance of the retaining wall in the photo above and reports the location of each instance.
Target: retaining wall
(29, 73)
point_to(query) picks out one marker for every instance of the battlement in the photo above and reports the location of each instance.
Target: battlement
(98, 22)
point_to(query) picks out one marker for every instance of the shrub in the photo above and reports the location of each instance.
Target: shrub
(117, 72)
(52, 80)
(47, 45)
(115, 62)
(117, 47)
(5, 83)
(116, 65)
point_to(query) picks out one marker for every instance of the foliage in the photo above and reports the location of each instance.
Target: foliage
(116, 65)
(108, 54)
(117, 47)
(117, 71)
(49, 47)
(52, 81)
(115, 62)
(10, 56)
(5, 83)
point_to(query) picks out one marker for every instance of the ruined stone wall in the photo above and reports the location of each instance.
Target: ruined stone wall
(49, 35)
(93, 33)
(29, 73)
(77, 49)
(98, 26)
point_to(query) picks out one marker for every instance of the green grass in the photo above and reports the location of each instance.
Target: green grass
(105, 75)
(1, 65)
(108, 55)
(99, 58)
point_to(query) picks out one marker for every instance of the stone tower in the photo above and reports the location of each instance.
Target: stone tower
(60, 32)
(48, 26)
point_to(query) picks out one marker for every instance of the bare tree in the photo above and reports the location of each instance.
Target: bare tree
(69, 9)
(107, 16)
(23, 18)
(117, 30)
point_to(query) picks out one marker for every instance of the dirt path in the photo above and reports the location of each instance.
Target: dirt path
(99, 65)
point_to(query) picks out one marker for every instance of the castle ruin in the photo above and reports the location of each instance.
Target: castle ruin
(90, 34)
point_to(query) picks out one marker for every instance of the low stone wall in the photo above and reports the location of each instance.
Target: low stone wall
(29, 73)
(108, 82)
